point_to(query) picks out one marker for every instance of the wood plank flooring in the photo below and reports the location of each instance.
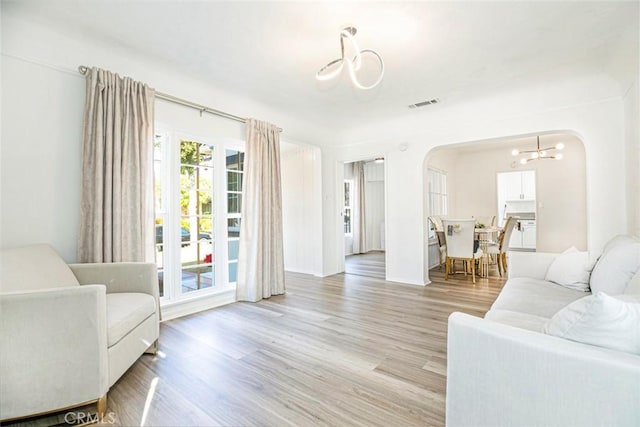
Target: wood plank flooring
(371, 264)
(345, 350)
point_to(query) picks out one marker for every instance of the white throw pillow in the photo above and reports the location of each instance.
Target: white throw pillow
(615, 268)
(570, 269)
(619, 240)
(600, 320)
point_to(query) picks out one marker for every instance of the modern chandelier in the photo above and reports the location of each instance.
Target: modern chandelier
(539, 153)
(335, 67)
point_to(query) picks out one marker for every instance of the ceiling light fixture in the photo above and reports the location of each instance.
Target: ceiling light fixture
(539, 153)
(335, 67)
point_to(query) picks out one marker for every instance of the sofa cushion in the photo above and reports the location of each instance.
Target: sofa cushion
(125, 311)
(600, 320)
(615, 268)
(633, 287)
(570, 269)
(33, 267)
(534, 296)
(530, 322)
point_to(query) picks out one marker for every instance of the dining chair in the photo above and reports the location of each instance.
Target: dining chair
(442, 247)
(501, 248)
(459, 238)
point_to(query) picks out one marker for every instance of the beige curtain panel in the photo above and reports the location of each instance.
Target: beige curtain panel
(359, 218)
(260, 258)
(117, 201)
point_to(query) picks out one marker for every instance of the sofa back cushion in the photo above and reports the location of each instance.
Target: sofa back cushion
(33, 267)
(615, 268)
(633, 287)
(601, 320)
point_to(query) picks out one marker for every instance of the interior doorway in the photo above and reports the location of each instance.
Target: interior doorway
(364, 218)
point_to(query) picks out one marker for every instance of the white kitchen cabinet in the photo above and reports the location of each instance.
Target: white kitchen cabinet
(524, 235)
(518, 185)
(528, 235)
(528, 185)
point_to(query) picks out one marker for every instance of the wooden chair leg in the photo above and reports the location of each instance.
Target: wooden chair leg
(101, 406)
(473, 270)
(499, 262)
(504, 262)
(446, 269)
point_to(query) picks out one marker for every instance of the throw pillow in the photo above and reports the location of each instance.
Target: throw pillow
(619, 240)
(600, 320)
(570, 269)
(615, 268)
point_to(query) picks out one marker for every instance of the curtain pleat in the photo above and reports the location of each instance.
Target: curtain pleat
(359, 218)
(260, 258)
(117, 207)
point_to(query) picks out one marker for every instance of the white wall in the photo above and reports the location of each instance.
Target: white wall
(42, 103)
(301, 196)
(589, 106)
(632, 141)
(599, 124)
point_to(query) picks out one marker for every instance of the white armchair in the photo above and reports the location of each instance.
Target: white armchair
(69, 332)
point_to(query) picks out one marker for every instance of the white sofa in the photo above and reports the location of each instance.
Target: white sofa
(503, 370)
(69, 332)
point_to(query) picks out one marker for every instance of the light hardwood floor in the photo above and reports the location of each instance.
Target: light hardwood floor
(346, 350)
(371, 264)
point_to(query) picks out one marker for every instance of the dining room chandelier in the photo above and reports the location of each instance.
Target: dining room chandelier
(539, 153)
(335, 67)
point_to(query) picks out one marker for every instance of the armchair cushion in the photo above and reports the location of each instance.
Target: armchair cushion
(125, 311)
(34, 267)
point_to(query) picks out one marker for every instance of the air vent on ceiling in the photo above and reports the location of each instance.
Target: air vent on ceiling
(424, 103)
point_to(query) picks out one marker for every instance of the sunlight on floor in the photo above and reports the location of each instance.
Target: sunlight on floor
(147, 403)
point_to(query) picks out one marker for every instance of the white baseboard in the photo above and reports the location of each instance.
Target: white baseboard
(177, 309)
(405, 281)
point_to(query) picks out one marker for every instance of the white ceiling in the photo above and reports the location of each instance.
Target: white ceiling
(453, 51)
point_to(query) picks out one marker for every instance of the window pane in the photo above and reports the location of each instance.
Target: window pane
(160, 263)
(347, 194)
(234, 181)
(233, 227)
(234, 246)
(235, 160)
(203, 203)
(195, 153)
(347, 221)
(197, 269)
(233, 202)
(233, 272)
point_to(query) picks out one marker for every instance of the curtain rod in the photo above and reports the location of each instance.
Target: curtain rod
(83, 69)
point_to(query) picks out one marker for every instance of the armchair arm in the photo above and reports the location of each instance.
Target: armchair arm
(530, 264)
(502, 375)
(120, 276)
(53, 349)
